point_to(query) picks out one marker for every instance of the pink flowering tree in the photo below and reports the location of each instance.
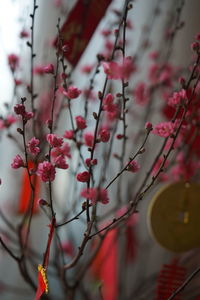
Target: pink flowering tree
(88, 155)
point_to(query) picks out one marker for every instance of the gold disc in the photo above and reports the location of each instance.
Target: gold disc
(174, 216)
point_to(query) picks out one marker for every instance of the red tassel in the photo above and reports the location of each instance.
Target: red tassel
(25, 194)
(104, 267)
(170, 278)
(131, 244)
(42, 269)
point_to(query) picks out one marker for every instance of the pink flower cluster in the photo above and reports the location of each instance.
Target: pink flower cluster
(20, 109)
(17, 162)
(59, 154)
(53, 140)
(46, 171)
(177, 98)
(32, 146)
(91, 162)
(123, 70)
(110, 107)
(164, 129)
(95, 195)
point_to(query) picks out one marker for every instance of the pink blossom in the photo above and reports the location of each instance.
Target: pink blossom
(86, 69)
(141, 93)
(106, 32)
(38, 70)
(108, 102)
(17, 162)
(28, 115)
(164, 129)
(9, 120)
(177, 98)
(154, 55)
(60, 162)
(197, 36)
(109, 45)
(13, 61)
(19, 109)
(119, 71)
(148, 126)
(88, 139)
(80, 122)
(48, 69)
(64, 150)
(114, 113)
(104, 135)
(53, 140)
(24, 34)
(95, 195)
(111, 69)
(133, 166)
(46, 171)
(69, 134)
(42, 202)
(32, 146)
(18, 82)
(195, 46)
(119, 136)
(72, 92)
(127, 68)
(90, 162)
(83, 177)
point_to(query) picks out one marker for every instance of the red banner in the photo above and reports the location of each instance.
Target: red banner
(80, 26)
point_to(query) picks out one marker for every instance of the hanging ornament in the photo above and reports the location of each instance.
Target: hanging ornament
(170, 278)
(174, 216)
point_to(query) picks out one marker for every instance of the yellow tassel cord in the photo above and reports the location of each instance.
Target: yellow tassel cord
(44, 277)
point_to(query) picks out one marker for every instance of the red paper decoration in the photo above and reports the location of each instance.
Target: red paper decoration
(80, 26)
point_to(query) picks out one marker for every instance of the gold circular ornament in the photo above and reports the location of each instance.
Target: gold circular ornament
(174, 216)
